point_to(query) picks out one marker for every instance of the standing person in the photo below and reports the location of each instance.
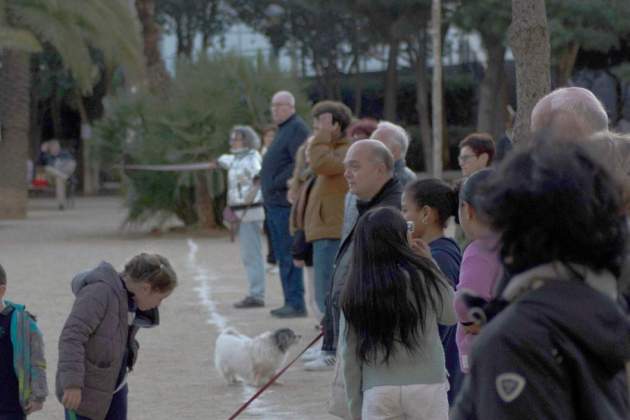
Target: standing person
(324, 211)
(361, 129)
(277, 167)
(390, 349)
(60, 165)
(429, 203)
(97, 346)
(476, 152)
(481, 268)
(369, 172)
(300, 186)
(557, 350)
(23, 386)
(268, 134)
(245, 200)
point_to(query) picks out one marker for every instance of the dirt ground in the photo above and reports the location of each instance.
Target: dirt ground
(174, 377)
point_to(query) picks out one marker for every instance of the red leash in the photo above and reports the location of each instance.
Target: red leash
(272, 380)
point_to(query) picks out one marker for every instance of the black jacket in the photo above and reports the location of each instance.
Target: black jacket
(557, 352)
(278, 163)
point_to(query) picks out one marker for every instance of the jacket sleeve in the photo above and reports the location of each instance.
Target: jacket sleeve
(351, 368)
(446, 315)
(293, 144)
(512, 379)
(87, 312)
(39, 384)
(323, 158)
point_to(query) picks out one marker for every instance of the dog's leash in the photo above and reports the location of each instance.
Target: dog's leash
(272, 380)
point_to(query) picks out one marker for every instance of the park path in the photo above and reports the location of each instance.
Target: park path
(174, 377)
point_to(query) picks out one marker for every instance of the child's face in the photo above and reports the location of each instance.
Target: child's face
(412, 213)
(146, 298)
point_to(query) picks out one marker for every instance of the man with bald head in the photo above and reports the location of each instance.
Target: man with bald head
(277, 168)
(369, 170)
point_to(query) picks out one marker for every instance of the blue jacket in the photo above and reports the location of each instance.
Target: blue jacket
(28, 356)
(278, 163)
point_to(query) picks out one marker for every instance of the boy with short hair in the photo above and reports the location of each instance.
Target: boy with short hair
(23, 386)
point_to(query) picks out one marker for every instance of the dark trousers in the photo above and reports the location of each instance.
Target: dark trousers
(455, 375)
(271, 257)
(12, 417)
(117, 408)
(281, 240)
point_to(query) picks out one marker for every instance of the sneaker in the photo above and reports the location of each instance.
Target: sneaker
(311, 354)
(249, 302)
(273, 269)
(288, 312)
(322, 363)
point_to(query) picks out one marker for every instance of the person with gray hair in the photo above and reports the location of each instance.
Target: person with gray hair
(244, 201)
(369, 169)
(397, 141)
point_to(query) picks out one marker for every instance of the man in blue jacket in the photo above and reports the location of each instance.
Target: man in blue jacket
(277, 168)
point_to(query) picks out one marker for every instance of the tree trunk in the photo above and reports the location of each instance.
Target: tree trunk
(158, 78)
(436, 18)
(203, 201)
(529, 38)
(391, 81)
(15, 80)
(490, 101)
(422, 98)
(358, 87)
(566, 63)
(90, 165)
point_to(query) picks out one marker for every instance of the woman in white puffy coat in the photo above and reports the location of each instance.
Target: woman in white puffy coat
(244, 198)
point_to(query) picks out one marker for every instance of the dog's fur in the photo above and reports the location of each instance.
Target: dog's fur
(253, 360)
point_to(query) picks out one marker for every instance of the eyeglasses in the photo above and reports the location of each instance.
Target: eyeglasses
(465, 158)
(277, 105)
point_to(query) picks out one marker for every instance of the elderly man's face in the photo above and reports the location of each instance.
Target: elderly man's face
(363, 172)
(281, 109)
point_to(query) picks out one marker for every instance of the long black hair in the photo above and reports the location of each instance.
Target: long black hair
(436, 194)
(390, 288)
(556, 202)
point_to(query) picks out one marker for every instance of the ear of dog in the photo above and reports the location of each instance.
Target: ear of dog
(285, 338)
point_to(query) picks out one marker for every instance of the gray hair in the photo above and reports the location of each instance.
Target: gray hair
(286, 95)
(571, 106)
(399, 134)
(251, 140)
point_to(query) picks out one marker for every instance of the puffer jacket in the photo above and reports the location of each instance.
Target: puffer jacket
(242, 167)
(28, 355)
(93, 340)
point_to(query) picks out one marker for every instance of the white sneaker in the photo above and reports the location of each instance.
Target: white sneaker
(311, 354)
(273, 269)
(324, 362)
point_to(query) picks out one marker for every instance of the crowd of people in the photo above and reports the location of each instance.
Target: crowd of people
(523, 314)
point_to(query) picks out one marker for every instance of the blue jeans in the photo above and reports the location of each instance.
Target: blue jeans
(281, 240)
(117, 408)
(324, 252)
(250, 240)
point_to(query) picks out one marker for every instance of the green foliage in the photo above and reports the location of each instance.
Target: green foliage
(72, 27)
(206, 99)
(491, 18)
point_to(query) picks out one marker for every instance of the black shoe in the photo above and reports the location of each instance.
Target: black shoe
(249, 302)
(288, 312)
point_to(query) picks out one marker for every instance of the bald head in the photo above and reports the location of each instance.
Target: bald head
(570, 113)
(282, 106)
(369, 166)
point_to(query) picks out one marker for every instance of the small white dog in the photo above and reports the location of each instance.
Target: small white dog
(253, 360)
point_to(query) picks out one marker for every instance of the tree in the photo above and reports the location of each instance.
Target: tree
(438, 113)
(595, 25)
(71, 27)
(157, 76)
(193, 19)
(491, 19)
(529, 39)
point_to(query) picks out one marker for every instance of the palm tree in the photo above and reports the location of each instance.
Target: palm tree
(71, 27)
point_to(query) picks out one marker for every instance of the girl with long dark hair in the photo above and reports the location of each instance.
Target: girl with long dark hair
(429, 204)
(390, 348)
